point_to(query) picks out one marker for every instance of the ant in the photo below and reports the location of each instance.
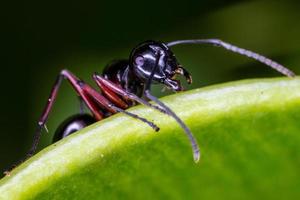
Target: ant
(125, 83)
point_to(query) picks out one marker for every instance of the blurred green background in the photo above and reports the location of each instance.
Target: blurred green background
(41, 38)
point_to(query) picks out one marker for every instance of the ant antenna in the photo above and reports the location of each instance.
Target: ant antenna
(238, 50)
(195, 146)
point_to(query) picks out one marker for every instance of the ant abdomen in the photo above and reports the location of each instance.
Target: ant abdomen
(72, 124)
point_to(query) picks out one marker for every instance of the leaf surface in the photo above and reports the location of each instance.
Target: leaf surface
(248, 132)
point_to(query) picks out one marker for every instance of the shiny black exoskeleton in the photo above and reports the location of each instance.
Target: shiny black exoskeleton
(144, 57)
(73, 124)
(133, 74)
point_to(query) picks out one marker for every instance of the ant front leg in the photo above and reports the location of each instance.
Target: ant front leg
(147, 93)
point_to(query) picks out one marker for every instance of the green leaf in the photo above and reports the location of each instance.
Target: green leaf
(248, 131)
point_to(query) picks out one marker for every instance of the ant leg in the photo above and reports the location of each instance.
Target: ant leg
(195, 146)
(106, 104)
(113, 97)
(81, 105)
(64, 74)
(152, 125)
(106, 84)
(147, 92)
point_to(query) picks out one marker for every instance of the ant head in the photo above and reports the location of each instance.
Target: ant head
(149, 55)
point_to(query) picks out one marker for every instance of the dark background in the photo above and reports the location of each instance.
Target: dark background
(40, 38)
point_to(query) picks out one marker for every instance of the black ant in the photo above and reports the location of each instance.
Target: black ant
(126, 82)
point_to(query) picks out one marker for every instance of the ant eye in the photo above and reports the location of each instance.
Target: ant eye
(139, 60)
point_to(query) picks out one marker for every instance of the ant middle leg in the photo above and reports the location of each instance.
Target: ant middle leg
(106, 84)
(106, 104)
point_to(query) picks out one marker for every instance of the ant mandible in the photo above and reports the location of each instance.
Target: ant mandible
(125, 82)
